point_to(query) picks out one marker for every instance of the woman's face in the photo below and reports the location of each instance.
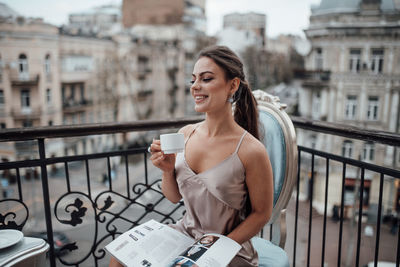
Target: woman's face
(207, 240)
(210, 89)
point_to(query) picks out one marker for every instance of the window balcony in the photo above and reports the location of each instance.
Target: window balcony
(313, 78)
(72, 106)
(24, 79)
(24, 113)
(92, 198)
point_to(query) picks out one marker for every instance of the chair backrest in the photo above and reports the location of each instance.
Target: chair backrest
(278, 135)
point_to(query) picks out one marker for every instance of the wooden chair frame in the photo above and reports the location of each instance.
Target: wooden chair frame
(271, 104)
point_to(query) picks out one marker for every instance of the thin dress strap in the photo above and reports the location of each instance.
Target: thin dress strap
(194, 129)
(240, 142)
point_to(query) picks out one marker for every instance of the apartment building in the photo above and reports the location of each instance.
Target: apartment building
(251, 23)
(60, 76)
(100, 20)
(29, 78)
(354, 78)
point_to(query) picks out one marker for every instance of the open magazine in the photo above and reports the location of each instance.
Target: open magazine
(154, 244)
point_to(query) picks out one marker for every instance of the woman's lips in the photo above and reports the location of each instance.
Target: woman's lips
(199, 98)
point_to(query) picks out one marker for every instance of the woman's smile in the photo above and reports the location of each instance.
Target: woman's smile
(200, 98)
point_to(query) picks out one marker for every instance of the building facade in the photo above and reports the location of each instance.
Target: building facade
(181, 21)
(98, 20)
(251, 22)
(60, 76)
(353, 78)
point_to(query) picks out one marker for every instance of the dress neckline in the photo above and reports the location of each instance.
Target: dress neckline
(219, 163)
(209, 169)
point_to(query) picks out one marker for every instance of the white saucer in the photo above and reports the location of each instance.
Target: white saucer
(10, 237)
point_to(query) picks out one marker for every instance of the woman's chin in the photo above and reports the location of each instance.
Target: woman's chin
(199, 109)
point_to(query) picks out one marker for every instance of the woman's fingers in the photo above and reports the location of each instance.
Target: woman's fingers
(155, 146)
(156, 156)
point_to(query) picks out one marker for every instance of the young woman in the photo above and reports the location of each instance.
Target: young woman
(224, 175)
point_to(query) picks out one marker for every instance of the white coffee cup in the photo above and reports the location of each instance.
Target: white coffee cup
(172, 143)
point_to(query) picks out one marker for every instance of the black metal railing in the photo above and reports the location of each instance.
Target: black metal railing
(99, 210)
(75, 204)
(391, 139)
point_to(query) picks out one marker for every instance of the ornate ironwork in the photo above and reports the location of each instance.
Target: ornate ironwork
(109, 213)
(9, 219)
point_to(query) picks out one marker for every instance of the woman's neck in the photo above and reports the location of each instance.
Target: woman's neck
(219, 123)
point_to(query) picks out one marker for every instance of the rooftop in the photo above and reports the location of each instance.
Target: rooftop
(350, 6)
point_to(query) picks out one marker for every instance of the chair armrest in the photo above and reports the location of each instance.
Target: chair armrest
(279, 230)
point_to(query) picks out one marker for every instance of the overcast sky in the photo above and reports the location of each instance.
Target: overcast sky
(283, 16)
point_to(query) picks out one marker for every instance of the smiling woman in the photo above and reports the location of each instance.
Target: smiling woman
(224, 174)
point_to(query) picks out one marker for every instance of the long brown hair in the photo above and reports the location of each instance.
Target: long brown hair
(246, 113)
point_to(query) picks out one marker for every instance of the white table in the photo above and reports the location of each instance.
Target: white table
(30, 251)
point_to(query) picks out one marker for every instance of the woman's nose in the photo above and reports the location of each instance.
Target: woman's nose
(195, 85)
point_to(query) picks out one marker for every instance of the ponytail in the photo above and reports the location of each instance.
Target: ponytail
(246, 113)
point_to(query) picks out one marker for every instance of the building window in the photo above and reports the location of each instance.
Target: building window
(27, 123)
(47, 64)
(351, 107)
(23, 65)
(143, 64)
(48, 96)
(82, 118)
(347, 149)
(398, 156)
(63, 94)
(1, 97)
(1, 69)
(25, 98)
(72, 92)
(355, 60)
(368, 151)
(313, 141)
(50, 123)
(316, 105)
(319, 60)
(2, 125)
(82, 91)
(373, 105)
(377, 60)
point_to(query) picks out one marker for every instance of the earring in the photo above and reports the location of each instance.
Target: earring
(230, 99)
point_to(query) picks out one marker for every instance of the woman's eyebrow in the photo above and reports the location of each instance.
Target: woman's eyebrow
(202, 73)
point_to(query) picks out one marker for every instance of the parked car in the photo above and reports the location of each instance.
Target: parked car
(59, 238)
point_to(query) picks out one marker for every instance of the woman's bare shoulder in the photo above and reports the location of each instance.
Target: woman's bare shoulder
(187, 129)
(252, 150)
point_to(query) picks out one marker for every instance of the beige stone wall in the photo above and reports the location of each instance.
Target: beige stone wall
(336, 43)
(155, 12)
(35, 40)
(117, 87)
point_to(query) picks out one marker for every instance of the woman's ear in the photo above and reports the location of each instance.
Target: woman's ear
(235, 85)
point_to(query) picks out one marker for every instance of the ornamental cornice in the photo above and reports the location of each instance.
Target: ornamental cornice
(376, 79)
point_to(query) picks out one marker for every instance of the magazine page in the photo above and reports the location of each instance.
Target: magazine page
(212, 250)
(151, 244)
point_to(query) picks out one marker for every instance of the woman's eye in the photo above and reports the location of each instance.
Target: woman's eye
(192, 82)
(207, 79)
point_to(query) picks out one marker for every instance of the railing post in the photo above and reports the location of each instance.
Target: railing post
(46, 201)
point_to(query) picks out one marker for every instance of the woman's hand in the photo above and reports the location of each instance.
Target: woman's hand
(165, 162)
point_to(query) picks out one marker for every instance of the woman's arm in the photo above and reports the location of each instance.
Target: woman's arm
(166, 163)
(259, 181)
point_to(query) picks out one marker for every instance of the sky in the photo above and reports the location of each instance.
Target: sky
(283, 16)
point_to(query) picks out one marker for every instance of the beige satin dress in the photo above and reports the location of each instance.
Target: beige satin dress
(215, 201)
